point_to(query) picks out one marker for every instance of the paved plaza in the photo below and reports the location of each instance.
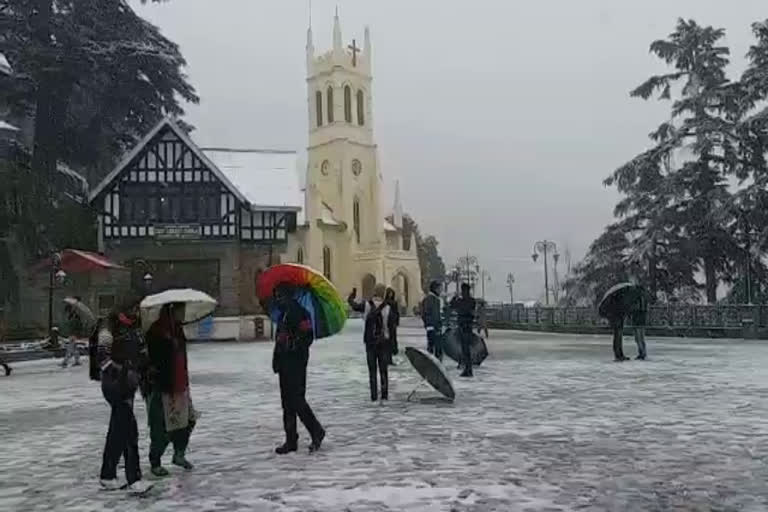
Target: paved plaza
(548, 424)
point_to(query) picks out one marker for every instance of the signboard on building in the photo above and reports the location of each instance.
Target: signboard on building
(178, 231)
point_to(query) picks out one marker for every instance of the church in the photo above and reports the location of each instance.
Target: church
(214, 218)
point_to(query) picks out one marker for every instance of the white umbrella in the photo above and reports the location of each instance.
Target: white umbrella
(198, 305)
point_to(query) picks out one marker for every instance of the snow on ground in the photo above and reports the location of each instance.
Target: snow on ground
(548, 424)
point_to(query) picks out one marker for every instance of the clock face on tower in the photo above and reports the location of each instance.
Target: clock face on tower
(357, 167)
(324, 167)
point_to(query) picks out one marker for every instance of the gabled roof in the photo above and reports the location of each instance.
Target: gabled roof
(5, 66)
(166, 123)
(267, 177)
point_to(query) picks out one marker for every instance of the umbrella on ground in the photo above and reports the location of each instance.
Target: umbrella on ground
(86, 316)
(452, 347)
(198, 305)
(619, 299)
(313, 291)
(431, 370)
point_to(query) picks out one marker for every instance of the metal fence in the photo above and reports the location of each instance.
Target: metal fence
(667, 316)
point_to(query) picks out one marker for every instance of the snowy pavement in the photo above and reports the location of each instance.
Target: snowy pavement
(548, 424)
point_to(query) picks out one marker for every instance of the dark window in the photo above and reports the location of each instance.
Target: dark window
(356, 219)
(347, 104)
(360, 108)
(327, 262)
(300, 256)
(319, 107)
(330, 104)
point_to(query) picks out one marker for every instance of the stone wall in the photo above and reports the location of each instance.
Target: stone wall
(671, 320)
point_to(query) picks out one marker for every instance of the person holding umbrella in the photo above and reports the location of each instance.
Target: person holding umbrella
(294, 336)
(122, 355)
(639, 314)
(170, 412)
(619, 301)
(75, 327)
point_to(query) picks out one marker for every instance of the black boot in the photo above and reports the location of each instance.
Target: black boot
(317, 441)
(8, 369)
(287, 447)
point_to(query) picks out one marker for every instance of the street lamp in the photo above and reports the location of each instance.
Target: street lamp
(511, 286)
(482, 275)
(148, 281)
(55, 275)
(544, 247)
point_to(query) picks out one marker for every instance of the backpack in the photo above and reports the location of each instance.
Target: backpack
(375, 323)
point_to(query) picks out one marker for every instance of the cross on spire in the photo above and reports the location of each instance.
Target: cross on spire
(355, 49)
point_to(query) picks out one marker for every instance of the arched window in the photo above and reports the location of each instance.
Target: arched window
(347, 104)
(329, 94)
(300, 256)
(356, 218)
(319, 107)
(360, 108)
(327, 262)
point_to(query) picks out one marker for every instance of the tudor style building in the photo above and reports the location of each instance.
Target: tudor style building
(206, 219)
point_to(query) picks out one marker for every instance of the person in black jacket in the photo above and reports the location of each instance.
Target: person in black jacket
(170, 411)
(293, 337)
(394, 321)
(465, 307)
(376, 337)
(432, 316)
(616, 321)
(122, 355)
(639, 314)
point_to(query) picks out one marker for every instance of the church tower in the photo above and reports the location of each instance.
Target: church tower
(346, 234)
(342, 155)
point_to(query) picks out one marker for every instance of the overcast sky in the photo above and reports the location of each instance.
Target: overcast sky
(500, 118)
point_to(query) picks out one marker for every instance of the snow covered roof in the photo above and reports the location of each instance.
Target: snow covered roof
(326, 216)
(267, 178)
(7, 126)
(389, 227)
(5, 66)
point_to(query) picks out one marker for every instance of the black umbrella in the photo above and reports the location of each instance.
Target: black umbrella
(620, 299)
(431, 370)
(452, 347)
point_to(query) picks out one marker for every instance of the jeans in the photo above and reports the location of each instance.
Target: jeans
(465, 338)
(159, 438)
(71, 352)
(122, 440)
(435, 343)
(376, 357)
(293, 390)
(640, 341)
(618, 340)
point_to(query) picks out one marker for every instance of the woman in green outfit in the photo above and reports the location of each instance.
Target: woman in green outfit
(169, 403)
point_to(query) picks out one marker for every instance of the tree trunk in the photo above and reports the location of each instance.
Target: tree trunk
(44, 142)
(711, 280)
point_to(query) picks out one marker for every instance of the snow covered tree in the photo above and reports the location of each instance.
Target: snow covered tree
(678, 190)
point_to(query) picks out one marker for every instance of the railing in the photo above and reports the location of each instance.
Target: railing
(680, 319)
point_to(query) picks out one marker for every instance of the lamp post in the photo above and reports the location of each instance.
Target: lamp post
(146, 270)
(511, 286)
(55, 276)
(544, 247)
(482, 275)
(148, 277)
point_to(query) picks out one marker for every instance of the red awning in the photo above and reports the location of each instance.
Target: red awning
(75, 260)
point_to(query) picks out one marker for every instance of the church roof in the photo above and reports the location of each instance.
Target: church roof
(267, 178)
(389, 227)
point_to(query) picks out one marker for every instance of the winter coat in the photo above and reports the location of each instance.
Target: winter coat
(122, 356)
(465, 311)
(163, 353)
(431, 312)
(368, 309)
(293, 337)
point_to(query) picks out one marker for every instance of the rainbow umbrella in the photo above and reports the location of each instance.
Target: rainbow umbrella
(312, 290)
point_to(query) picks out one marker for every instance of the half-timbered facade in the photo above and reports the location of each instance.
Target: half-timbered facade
(169, 211)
